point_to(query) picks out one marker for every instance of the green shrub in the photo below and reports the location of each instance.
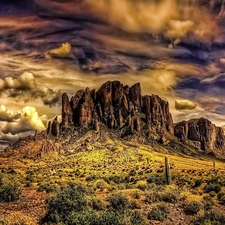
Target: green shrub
(89, 217)
(109, 218)
(220, 195)
(170, 196)
(46, 187)
(9, 188)
(209, 219)
(118, 202)
(70, 199)
(101, 184)
(193, 208)
(212, 187)
(132, 173)
(208, 203)
(9, 192)
(222, 200)
(91, 178)
(152, 196)
(136, 194)
(134, 204)
(156, 179)
(159, 212)
(97, 204)
(198, 182)
(116, 179)
(85, 217)
(137, 218)
(142, 185)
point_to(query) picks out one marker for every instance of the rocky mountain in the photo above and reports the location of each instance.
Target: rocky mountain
(202, 132)
(118, 107)
(121, 112)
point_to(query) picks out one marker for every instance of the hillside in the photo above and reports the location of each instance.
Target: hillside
(105, 161)
(111, 168)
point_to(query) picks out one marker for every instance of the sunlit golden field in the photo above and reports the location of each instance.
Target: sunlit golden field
(135, 171)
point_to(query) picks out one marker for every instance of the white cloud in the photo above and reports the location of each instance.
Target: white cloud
(8, 115)
(28, 120)
(26, 88)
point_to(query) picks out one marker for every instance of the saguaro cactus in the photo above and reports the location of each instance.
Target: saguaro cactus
(214, 164)
(168, 175)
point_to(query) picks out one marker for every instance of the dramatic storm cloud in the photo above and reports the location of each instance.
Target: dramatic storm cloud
(174, 18)
(174, 48)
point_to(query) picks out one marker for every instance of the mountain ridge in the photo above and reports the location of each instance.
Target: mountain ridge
(121, 112)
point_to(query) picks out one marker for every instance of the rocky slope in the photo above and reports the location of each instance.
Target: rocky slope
(120, 112)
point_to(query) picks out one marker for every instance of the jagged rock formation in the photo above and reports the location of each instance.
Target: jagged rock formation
(120, 112)
(67, 114)
(202, 131)
(55, 127)
(116, 106)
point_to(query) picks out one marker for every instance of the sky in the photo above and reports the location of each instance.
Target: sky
(174, 48)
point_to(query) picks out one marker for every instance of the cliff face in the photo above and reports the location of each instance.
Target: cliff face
(125, 111)
(116, 106)
(202, 131)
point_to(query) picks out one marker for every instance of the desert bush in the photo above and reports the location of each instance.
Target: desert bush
(170, 196)
(209, 218)
(222, 200)
(134, 204)
(101, 184)
(217, 179)
(97, 204)
(208, 202)
(212, 187)
(142, 185)
(9, 190)
(91, 178)
(137, 218)
(220, 195)
(47, 188)
(132, 173)
(156, 179)
(198, 182)
(152, 196)
(116, 179)
(109, 218)
(118, 202)
(136, 194)
(192, 208)
(159, 212)
(70, 199)
(89, 217)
